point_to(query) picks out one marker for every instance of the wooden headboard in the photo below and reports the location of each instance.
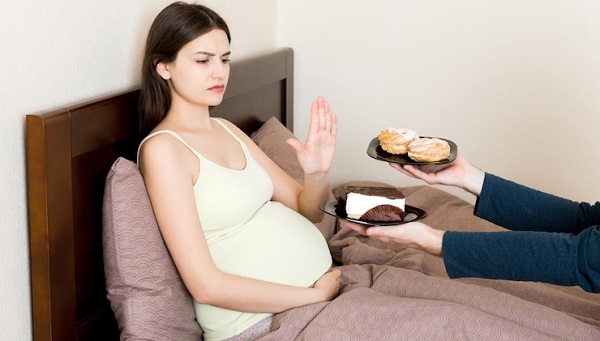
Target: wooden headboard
(69, 153)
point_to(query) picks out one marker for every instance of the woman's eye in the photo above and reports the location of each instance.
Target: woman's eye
(226, 60)
(203, 61)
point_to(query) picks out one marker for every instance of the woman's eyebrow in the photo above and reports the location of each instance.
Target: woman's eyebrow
(211, 54)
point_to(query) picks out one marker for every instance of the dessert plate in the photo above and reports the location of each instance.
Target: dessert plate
(375, 151)
(412, 214)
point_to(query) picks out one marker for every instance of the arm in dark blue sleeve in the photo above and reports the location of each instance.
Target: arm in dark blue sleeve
(517, 207)
(558, 258)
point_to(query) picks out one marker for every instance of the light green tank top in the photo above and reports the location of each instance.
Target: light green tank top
(250, 235)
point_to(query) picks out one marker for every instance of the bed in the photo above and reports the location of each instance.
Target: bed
(388, 293)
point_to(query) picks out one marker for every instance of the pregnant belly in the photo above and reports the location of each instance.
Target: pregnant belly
(277, 245)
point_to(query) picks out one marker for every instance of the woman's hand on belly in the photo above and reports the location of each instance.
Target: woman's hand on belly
(329, 284)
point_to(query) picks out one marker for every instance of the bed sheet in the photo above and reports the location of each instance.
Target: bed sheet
(396, 293)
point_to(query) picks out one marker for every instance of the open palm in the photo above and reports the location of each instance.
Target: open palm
(316, 155)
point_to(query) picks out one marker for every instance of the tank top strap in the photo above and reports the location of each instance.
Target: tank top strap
(170, 132)
(244, 147)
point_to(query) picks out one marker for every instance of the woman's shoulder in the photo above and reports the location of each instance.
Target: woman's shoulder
(160, 141)
(163, 148)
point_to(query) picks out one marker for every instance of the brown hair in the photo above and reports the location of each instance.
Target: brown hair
(175, 26)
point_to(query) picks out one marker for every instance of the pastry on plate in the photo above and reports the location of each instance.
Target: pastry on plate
(372, 203)
(396, 141)
(428, 149)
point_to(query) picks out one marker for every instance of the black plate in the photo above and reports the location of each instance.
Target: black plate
(412, 214)
(375, 151)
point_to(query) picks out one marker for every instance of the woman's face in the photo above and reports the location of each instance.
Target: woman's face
(200, 72)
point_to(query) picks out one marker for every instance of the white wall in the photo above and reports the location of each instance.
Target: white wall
(514, 83)
(57, 52)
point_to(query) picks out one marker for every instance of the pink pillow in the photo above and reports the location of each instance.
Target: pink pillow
(145, 291)
(270, 138)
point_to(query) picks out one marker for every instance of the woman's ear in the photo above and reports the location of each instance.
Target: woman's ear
(163, 70)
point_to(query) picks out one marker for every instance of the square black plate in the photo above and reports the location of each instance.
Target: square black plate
(375, 151)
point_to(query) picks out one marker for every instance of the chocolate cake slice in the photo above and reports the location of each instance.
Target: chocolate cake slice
(372, 203)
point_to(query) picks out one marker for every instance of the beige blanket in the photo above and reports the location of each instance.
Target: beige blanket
(395, 293)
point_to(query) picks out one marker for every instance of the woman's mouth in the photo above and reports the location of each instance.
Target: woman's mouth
(217, 88)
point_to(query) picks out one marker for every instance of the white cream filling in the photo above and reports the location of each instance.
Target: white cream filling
(358, 204)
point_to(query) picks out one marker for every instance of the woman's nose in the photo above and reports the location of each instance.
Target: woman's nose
(220, 71)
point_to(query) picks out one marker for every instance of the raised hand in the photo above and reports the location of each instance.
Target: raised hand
(316, 155)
